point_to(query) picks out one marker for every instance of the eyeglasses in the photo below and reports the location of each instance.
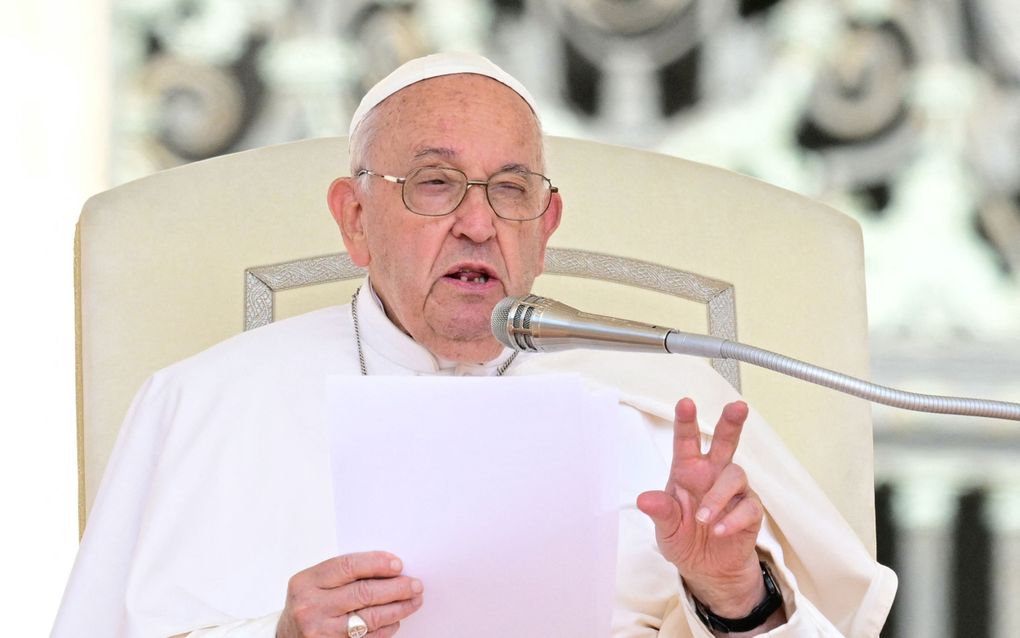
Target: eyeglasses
(433, 191)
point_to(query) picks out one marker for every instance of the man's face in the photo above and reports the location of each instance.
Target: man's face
(439, 277)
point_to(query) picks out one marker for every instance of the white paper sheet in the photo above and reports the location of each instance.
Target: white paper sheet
(499, 494)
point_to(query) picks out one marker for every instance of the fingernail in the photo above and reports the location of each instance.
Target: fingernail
(703, 515)
(416, 586)
(719, 529)
(395, 565)
(416, 601)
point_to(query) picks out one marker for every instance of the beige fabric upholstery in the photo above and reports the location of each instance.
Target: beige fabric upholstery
(161, 274)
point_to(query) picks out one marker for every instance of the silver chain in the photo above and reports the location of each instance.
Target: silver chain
(357, 332)
(506, 364)
(361, 353)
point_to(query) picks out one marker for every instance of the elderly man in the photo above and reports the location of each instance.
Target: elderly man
(217, 495)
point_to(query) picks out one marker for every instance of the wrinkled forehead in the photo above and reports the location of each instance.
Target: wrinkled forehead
(453, 113)
(453, 94)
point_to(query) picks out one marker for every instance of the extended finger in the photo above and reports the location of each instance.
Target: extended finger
(746, 515)
(686, 436)
(730, 485)
(384, 632)
(372, 592)
(727, 432)
(382, 617)
(341, 570)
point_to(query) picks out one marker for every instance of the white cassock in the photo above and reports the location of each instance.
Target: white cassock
(219, 490)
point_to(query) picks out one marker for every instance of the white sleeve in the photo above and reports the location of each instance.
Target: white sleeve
(264, 627)
(182, 511)
(95, 592)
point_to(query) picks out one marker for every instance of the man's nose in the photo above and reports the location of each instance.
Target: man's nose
(474, 218)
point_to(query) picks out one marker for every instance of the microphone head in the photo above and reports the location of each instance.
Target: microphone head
(511, 321)
(501, 320)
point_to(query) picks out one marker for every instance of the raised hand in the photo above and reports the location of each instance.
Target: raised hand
(320, 598)
(707, 518)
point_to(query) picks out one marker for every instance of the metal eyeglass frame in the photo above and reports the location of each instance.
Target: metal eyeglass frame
(468, 184)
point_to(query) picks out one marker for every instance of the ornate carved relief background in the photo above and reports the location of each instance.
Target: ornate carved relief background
(905, 114)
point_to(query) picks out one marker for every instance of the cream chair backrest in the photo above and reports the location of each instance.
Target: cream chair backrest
(172, 263)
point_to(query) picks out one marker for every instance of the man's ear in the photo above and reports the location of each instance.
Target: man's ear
(550, 221)
(348, 213)
(551, 218)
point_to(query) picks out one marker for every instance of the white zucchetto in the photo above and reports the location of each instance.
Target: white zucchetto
(432, 66)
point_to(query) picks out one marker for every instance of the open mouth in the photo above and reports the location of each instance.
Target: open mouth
(470, 275)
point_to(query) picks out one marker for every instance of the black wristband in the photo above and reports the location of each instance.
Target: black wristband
(772, 601)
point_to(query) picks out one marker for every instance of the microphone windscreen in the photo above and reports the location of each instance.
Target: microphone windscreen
(500, 320)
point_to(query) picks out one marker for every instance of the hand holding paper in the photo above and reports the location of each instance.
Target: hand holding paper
(320, 598)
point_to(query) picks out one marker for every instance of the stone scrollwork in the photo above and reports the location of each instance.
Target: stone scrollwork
(199, 109)
(847, 102)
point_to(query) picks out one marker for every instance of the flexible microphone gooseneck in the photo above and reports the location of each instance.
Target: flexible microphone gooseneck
(538, 324)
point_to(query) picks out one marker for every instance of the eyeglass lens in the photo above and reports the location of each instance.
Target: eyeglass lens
(515, 195)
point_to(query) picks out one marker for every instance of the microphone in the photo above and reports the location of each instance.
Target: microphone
(538, 324)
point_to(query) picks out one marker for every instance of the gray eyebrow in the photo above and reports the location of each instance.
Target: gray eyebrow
(432, 150)
(517, 168)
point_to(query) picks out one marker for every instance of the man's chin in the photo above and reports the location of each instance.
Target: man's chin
(473, 331)
(465, 350)
(464, 336)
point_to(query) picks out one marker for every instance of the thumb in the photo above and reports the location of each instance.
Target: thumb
(665, 511)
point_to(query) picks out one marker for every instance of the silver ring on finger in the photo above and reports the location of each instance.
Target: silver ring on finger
(356, 627)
